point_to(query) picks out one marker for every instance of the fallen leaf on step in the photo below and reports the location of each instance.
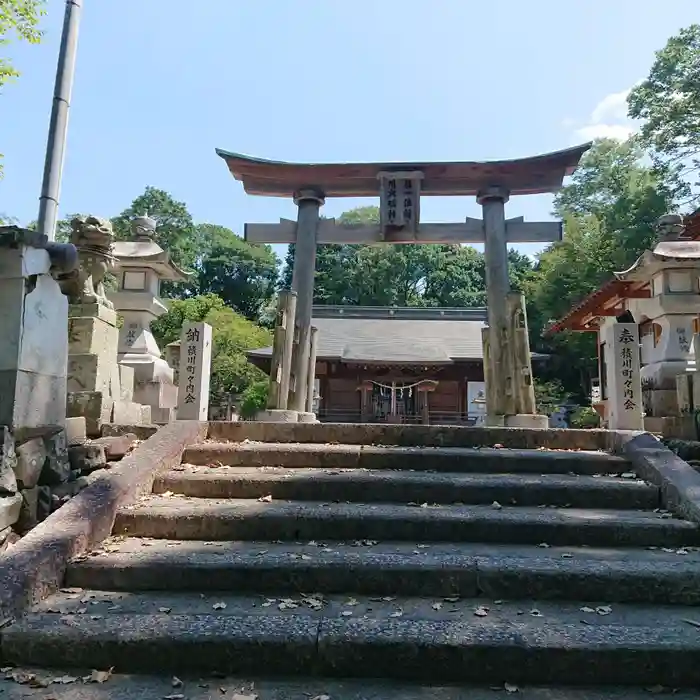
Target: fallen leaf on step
(238, 696)
(586, 609)
(396, 613)
(167, 493)
(451, 599)
(694, 623)
(321, 697)
(219, 606)
(164, 610)
(544, 545)
(265, 499)
(174, 696)
(388, 598)
(511, 688)
(498, 446)
(64, 680)
(99, 676)
(566, 555)
(481, 611)
(346, 613)
(536, 613)
(603, 610)
(352, 601)
(496, 505)
(437, 606)
(176, 682)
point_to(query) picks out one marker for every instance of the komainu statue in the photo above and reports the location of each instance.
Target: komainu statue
(94, 238)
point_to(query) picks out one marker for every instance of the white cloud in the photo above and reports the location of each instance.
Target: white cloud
(621, 132)
(607, 120)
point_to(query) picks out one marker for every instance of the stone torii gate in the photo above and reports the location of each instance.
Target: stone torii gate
(400, 186)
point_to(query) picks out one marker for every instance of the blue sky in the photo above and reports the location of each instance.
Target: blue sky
(161, 83)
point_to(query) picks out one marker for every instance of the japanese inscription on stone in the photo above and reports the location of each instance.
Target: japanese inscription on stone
(625, 395)
(683, 339)
(400, 200)
(628, 345)
(195, 368)
(132, 333)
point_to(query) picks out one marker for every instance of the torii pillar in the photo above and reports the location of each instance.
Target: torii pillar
(309, 202)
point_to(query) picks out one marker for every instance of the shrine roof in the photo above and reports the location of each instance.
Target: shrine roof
(387, 335)
(592, 306)
(534, 175)
(148, 253)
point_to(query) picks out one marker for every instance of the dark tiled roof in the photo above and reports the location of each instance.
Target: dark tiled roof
(396, 335)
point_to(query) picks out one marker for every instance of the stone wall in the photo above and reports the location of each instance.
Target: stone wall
(41, 474)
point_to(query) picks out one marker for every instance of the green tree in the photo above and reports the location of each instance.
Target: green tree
(609, 208)
(243, 275)
(254, 398)
(626, 196)
(668, 104)
(400, 275)
(232, 337)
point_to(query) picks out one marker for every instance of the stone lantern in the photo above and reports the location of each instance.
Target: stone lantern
(141, 266)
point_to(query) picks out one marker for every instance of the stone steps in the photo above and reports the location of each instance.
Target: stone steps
(452, 459)
(179, 517)
(453, 563)
(392, 486)
(388, 569)
(146, 687)
(427, 640)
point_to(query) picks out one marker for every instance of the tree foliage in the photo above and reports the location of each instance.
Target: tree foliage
(243, 275)
(232, 337)
(400, 275)
(668, 104)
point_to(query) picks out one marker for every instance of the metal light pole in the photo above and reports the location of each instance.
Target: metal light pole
(58, 126)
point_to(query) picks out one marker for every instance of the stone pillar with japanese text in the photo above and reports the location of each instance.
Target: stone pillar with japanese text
(624, 386)
(195, 372)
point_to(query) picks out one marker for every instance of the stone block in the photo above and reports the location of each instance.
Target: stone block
(76, 430)
(10, 507)
(146, 418)
(94, 406)
(118, 446)
(89, 373)
(126, 383)
(277, 415)
(158, 394)
(162, 415)
(92, 336)
(57, 465)
(129, 413)
(98, 311)
(35, 344)
(31, 456)
(87, 457)
(28, 511)
(661, 402)
(8, 462)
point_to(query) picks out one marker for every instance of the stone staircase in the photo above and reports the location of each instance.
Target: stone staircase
(494, 566)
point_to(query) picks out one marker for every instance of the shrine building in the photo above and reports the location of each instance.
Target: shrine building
(403, 365)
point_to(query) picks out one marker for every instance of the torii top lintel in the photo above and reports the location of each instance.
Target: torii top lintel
(535, 175)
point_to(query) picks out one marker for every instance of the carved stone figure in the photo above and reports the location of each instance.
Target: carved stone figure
(670, 226)
(93, 237)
